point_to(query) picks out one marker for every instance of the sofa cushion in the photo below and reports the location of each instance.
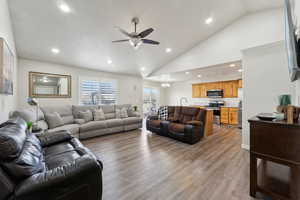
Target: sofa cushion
(93, 125)
(98, 115)
(29, 162)
(110, 115)
(188, 114)
(155, 123)
(54, 120)
(108, 109)
(127, 106)
(61, 159)
(73, 128)
(171, 110)
(114, 122)
(56, 149)
(68, 119)
(177, 113)
(77, 109)
(86, 115)
(64, 111)
(132, 120)
(195, 123)
(177, 128)
(121, 113)
(12, 138)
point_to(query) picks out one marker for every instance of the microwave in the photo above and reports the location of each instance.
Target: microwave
(214, 93)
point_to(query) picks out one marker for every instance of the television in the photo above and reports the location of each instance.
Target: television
(292, 43)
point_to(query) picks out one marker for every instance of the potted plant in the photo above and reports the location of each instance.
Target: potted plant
(29, 126)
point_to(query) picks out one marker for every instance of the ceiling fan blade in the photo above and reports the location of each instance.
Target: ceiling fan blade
(146, 32)
(146, 41)
(116, 41)
(124, 32)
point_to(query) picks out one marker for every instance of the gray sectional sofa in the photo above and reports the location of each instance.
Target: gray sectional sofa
(77, 126)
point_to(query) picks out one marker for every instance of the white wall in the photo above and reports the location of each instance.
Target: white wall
(265, 77)
(7, 102)
(130, 87)
(225, 46)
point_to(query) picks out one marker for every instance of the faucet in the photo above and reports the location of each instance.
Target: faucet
(183, 99)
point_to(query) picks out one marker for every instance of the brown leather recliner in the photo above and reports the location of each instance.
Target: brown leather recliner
(185, 124)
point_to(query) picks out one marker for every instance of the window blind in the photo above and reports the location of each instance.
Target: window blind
(97, 92)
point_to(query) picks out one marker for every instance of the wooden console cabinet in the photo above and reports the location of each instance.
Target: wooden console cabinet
(277, 145)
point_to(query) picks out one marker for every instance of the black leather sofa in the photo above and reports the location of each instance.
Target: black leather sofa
(185, 124)
(52, 166)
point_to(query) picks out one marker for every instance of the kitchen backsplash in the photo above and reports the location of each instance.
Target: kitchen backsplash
(232, 102)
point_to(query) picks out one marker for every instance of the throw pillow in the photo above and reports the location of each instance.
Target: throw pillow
(121, 113)
(131, 112)
(98, 115)
(163, 113)
(87, 115)
(54, 120)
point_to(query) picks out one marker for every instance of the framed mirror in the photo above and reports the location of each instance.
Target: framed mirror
(45, 85)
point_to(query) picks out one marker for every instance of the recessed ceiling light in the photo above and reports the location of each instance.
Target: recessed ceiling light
(55, 50)
(187, 73)
(199, 76)
(232, 65)
(165, 85)
(209, 20)
(64, 8)
(168, 50)
(240, 70)
(109, 62)
(143, 69)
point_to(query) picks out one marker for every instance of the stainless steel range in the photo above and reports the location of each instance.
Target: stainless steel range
(215, 105)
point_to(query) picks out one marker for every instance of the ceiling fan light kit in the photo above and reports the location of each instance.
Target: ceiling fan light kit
(136, 39)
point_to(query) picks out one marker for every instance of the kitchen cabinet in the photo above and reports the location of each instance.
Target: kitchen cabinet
(203, 91)
(229, 115)
(224, 115)
(240, 83)
(196, 91)
(230, 88)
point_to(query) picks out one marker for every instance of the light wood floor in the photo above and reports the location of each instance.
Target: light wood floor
(139, 165)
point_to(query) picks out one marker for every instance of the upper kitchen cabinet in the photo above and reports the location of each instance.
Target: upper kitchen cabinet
(230, 89)
(196, 91)
(240, 83)
(203, 90)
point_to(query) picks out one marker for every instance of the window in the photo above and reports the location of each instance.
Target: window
(98, 92)
(151, 100)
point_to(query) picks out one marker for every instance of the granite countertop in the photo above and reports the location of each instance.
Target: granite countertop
(229, 107)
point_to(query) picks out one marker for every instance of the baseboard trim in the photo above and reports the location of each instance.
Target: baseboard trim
(246, 147)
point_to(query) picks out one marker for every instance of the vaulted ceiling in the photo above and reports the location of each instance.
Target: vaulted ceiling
(84, 35)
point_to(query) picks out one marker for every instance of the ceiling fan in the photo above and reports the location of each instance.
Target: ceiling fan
(136, 39)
